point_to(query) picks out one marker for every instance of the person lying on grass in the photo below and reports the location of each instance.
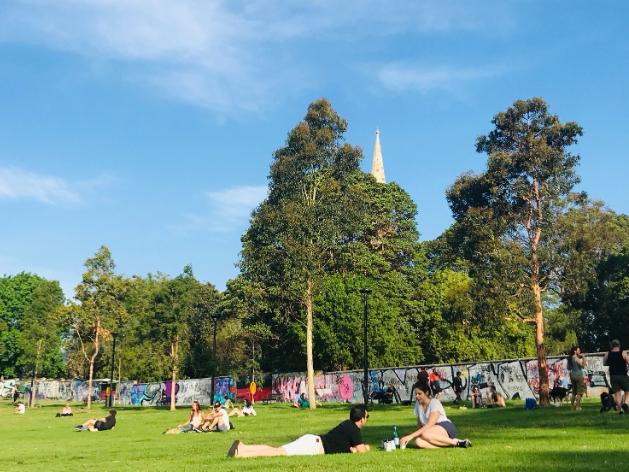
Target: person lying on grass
(435, 429)
(194, 421)
(217, 420)
(99, 424)
(345, 437)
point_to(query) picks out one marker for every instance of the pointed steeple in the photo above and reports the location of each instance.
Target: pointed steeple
(377, 167)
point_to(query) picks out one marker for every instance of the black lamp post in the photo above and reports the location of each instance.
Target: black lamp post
(215, 318)
(365, 294)
(111, 377)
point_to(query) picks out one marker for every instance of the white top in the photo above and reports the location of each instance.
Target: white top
(249, 411)
(197, 420)
(424, 414)
(225, 418)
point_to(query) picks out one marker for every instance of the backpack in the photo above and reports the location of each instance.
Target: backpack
(530, 403)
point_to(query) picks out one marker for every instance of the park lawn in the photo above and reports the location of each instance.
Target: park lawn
(551, 439)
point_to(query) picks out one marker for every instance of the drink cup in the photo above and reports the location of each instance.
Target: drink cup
(402, 445)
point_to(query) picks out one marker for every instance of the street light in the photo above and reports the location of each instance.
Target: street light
(215, 317)
(111, 377)
(365, 294)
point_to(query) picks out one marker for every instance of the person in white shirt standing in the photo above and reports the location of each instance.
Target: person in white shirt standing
(435, 429)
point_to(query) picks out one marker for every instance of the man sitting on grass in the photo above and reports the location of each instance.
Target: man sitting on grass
(99, 424)
(217, 420)
(345, 437)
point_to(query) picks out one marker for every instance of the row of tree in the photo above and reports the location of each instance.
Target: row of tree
(527, 267)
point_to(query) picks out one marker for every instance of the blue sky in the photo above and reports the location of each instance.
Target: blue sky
(149, 126)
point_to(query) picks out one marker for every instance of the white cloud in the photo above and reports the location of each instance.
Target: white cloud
(405, 77)
(227, 56)
(20, 184)
(237, 202)
(229, 209)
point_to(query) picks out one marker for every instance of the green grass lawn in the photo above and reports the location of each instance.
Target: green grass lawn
(552, 439)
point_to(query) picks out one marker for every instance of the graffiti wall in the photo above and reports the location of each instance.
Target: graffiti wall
(515, 378)
(139, 394)
(186, 391)
(6, 387)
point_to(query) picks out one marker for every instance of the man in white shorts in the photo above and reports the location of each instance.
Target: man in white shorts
(345, 437)
(218, 420)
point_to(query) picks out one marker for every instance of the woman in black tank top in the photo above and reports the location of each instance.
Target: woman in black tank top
(617, 362)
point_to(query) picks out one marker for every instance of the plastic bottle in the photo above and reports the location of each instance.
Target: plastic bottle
(396, 438)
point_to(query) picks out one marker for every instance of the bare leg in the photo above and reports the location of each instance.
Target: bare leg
(576, 402)
(217, 422)
(422, 444)
(618, 399)
(259, 450)
(437, 436)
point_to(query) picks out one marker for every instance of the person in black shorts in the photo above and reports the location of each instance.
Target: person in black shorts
(99, 424)
(617, 362)
(457, 386)
(435, 429)
(344, 438)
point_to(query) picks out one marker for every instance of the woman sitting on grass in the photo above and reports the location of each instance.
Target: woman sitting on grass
(246, 410)
(195, 420)
(436, 430)
(67, 411)
(301, 401)
(495, 399)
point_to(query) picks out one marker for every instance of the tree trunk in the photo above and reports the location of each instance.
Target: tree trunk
(542, 367)
(92, 360)
(544, 393)
(31, 400)
(174, 352)
(309, 346)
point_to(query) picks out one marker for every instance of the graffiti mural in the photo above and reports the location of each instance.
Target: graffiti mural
(139, 394)
(512, 378)
(513, 381)
(515, 378)
(6, 387)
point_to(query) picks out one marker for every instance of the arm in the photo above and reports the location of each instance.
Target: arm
(359, 448)
(580, 361)
(432, 420)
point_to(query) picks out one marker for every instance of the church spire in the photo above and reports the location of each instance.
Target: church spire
(377, 167)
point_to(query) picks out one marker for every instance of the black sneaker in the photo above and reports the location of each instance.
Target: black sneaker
(233, 450)
(464, 443)
(625, 408)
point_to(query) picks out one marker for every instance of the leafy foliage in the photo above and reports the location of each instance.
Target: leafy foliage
(27, 306)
